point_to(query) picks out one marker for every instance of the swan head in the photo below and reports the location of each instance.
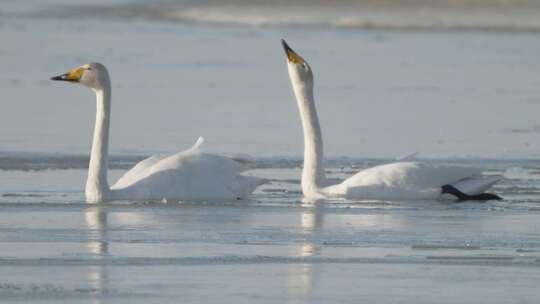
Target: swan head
(299, 70)
(93, 75)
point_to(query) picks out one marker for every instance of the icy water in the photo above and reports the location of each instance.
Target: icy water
(182, 69)
(272, 248)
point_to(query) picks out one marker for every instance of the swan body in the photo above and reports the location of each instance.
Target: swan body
(406, 181)
(403, 179)
(187, 175)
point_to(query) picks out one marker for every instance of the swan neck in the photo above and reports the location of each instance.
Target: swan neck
(313, 177)
(97, 187)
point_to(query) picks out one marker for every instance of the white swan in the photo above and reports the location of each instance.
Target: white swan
(398, 180)
(187, 175)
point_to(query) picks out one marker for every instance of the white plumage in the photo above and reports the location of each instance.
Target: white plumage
(409, 181)
(187, 175)
(403, 179)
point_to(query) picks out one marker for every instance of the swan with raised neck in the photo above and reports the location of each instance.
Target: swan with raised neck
(397, 180)
(313, 176)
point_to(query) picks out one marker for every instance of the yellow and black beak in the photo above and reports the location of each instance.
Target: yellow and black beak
(291, 55)
(71, 76)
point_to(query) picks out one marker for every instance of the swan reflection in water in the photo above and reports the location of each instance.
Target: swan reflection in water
(302, 276)
(316, 217)
(98, 246)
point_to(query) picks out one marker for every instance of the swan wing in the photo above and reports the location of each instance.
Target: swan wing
(405, 180)
(135, 173)
(409, 174)
(132, 175)
(190, 175)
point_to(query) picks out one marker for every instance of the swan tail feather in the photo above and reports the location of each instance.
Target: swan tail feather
(245, 162)
(198, 143)
(466, 197)
(476, 184)
(248, 184)
(473, 188)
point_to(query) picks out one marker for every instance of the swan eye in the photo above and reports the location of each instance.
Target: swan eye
(306, 67)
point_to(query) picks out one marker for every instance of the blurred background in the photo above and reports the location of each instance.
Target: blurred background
(443, 77)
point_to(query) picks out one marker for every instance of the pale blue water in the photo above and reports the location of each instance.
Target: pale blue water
(459, 97)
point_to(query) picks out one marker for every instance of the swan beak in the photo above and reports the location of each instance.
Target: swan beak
(73, 76)
(291, 55)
